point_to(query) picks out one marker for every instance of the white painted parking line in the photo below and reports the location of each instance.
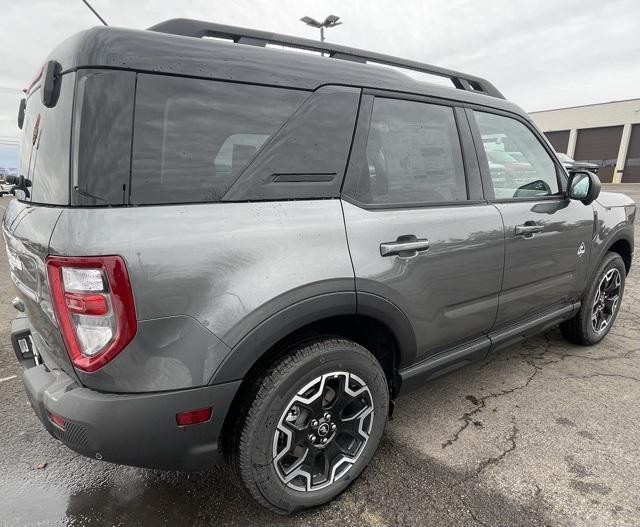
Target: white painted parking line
(8, 378)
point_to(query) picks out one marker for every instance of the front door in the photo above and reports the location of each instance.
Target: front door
(415, 236)
(547, 236)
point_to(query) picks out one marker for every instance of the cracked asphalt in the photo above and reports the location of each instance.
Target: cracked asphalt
(542, 433)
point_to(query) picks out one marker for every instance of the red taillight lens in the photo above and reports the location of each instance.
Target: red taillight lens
(56, 419)
(192, 417)
(94, 307)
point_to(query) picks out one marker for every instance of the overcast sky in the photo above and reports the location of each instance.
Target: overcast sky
(540, 53)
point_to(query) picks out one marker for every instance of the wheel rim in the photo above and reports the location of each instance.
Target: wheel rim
(323, 431)
(606, 301)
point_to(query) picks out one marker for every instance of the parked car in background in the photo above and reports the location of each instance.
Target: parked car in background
(516, 172)
(572, 164)
(5, 188)
(225, 251)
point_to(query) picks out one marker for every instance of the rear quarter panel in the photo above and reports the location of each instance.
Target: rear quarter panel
(26, 230)
(204, 275)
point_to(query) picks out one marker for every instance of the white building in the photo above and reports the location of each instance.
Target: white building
(607, 134)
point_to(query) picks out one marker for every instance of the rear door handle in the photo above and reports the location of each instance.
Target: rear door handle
(528, 229)
(408, 244)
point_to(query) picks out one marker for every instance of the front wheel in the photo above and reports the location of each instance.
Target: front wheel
(311, 426)
(600, 305)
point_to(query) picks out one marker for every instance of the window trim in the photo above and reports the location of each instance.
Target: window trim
(467, 151)
(484, 163)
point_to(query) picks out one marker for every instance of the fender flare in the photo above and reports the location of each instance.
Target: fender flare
(388, 313)
(265, 335)
(625, 233)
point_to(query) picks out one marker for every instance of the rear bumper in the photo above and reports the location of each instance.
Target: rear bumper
(138, 430)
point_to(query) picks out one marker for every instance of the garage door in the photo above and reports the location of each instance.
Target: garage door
(599, 146)
(559, 140)
(632, 166)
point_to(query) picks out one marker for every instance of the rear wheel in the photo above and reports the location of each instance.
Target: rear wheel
(600, 305)
(312, 425)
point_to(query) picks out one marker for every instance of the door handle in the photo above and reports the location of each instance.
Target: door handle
(404, 244)
(528, 229)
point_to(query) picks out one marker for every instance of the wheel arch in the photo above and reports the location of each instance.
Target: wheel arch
(370, 320)
(624, 248)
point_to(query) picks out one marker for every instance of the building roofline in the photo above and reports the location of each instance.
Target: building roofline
(585, 105)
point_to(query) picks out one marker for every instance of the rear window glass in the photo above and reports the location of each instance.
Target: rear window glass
(102, 137)
(45, 146)
(193, 138)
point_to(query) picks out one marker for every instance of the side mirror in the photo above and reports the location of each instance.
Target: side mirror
(21, 111)
(50, 89)
(583, 186)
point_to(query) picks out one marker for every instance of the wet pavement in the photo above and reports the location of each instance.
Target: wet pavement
(542, 433)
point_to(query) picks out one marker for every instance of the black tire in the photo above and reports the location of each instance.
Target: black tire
(579, 329)
(258, 431)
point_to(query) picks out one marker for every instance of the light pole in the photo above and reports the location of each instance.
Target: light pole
(330, 21)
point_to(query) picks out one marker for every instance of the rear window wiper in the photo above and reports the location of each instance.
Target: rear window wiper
(88, 195)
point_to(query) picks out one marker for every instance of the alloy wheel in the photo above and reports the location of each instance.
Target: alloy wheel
(606, 301)
(322, 431)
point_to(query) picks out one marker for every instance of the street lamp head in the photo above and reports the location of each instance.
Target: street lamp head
(331, 21)
(311, 21)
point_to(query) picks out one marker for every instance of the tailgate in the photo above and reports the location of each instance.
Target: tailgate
(27, 230)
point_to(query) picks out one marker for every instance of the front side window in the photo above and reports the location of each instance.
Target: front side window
(192, 137)
(519, 165)
(413, 155)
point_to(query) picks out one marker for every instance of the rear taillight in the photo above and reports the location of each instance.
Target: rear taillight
(94, 307)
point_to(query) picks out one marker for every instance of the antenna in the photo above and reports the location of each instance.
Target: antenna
(86, 2)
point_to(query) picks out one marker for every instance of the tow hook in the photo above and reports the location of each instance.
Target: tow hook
(18, 304)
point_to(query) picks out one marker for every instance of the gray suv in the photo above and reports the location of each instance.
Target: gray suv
(226, 250)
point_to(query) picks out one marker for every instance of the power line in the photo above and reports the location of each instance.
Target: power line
(86, 2)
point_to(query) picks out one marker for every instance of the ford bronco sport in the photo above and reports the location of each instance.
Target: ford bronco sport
(222, 249)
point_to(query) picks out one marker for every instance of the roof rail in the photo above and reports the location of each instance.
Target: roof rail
(198, 29)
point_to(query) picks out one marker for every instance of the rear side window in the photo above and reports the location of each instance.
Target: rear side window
(519, 165)
(308, 155)
(192, 138)
(102, 137)
(413, 155)
(45, 146)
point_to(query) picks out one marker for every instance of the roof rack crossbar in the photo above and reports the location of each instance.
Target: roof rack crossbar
(200, 29)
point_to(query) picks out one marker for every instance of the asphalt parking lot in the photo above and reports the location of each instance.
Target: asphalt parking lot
(543, 433)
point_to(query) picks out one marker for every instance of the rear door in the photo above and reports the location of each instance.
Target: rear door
(419, 231)
(547, 236)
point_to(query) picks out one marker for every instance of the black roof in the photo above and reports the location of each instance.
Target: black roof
(243, 59)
